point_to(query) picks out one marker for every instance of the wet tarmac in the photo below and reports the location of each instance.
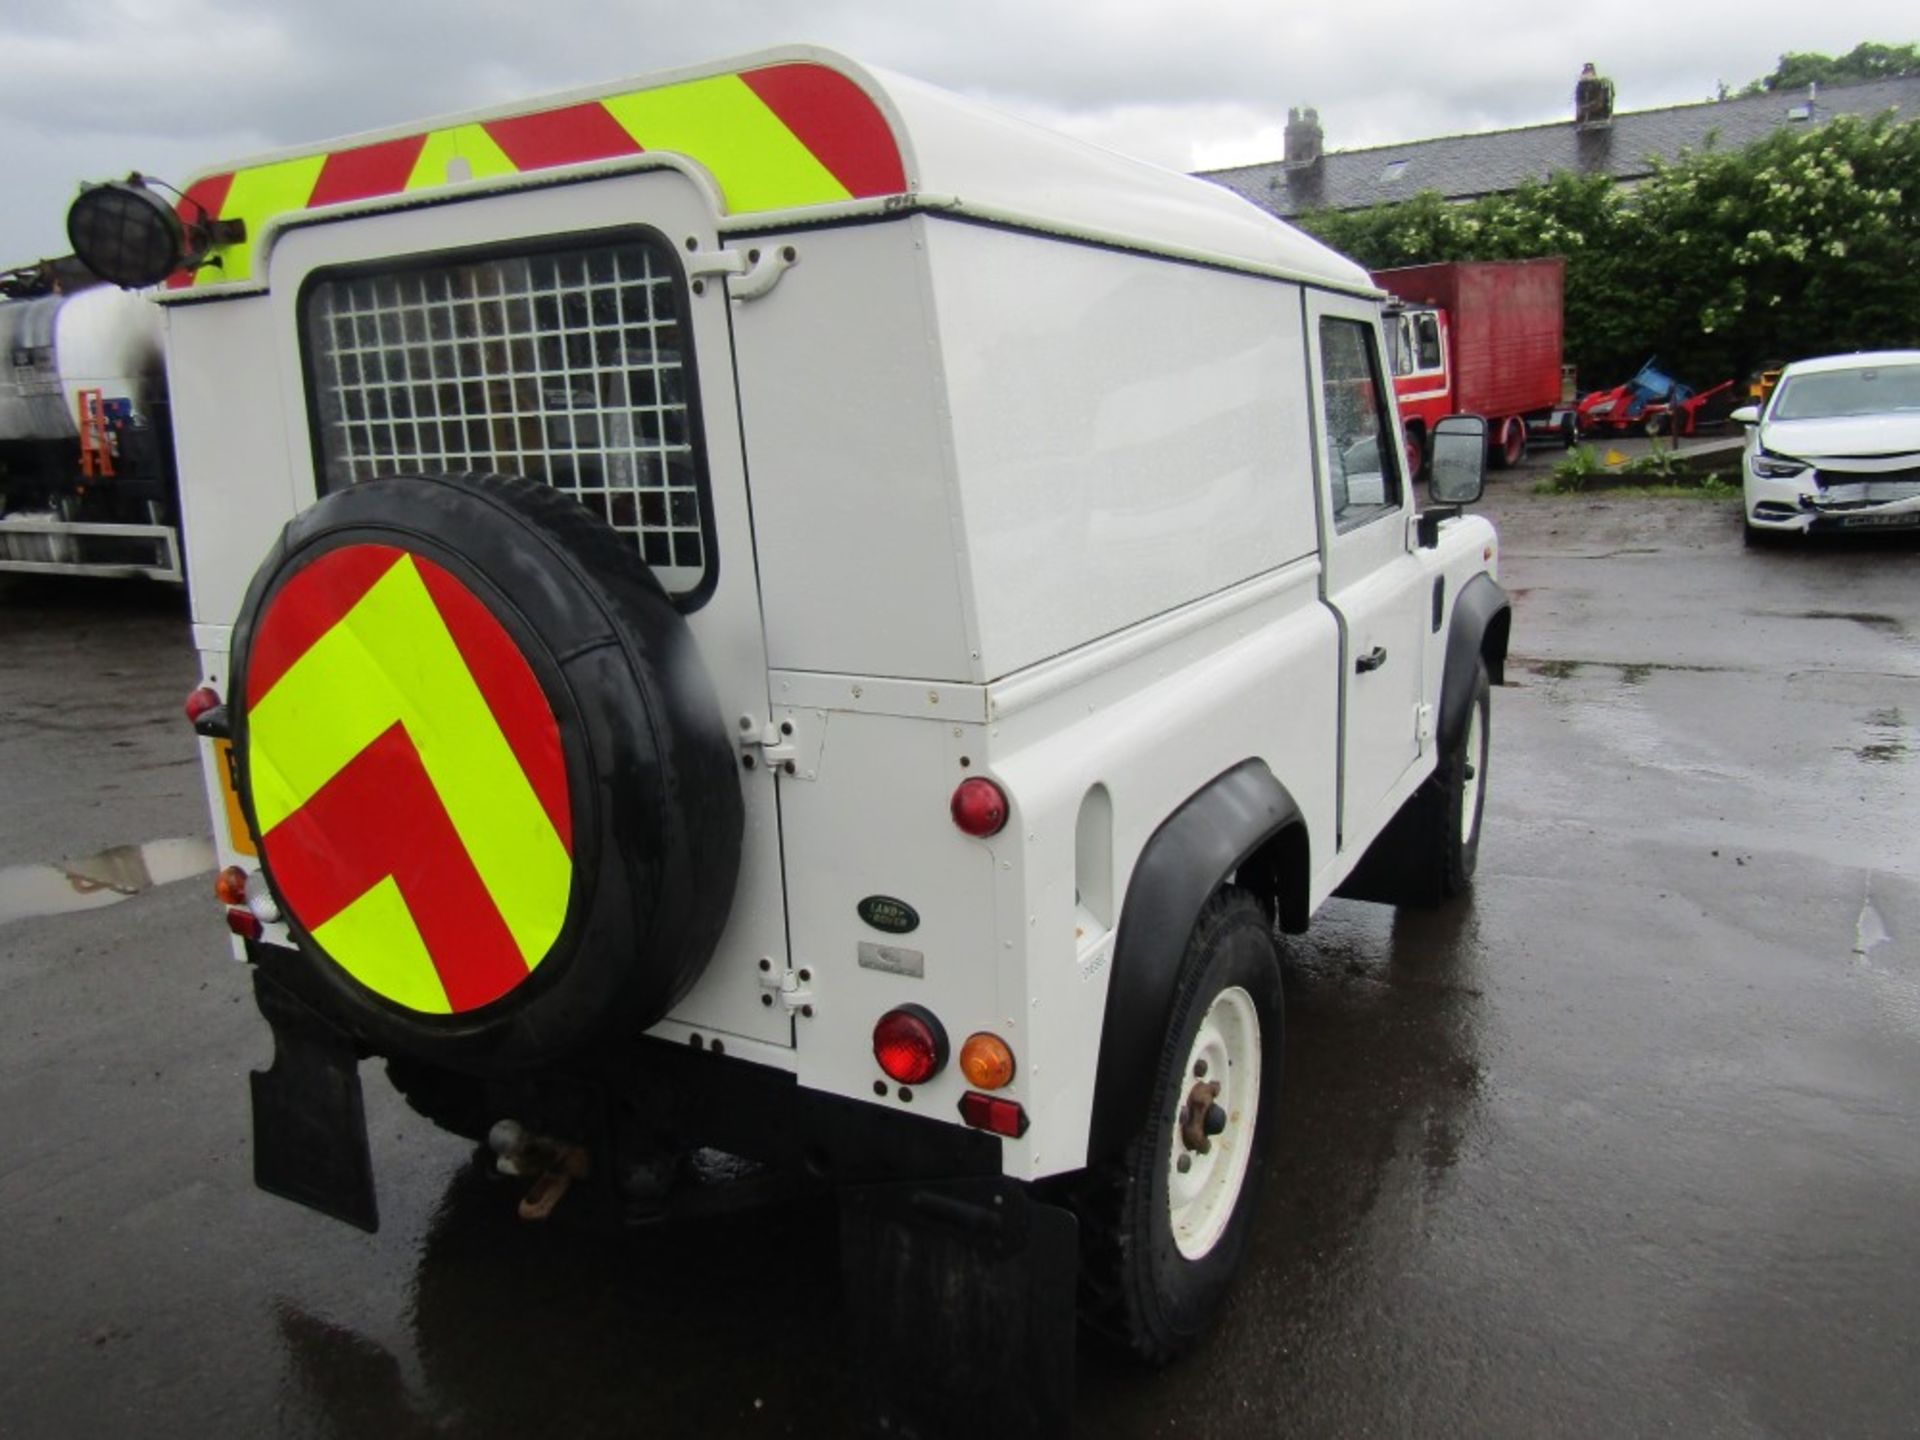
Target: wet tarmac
(1626, 1143)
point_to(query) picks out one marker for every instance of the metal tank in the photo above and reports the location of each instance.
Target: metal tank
(55, 346)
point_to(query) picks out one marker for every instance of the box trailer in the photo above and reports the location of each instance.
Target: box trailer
(1480, 337)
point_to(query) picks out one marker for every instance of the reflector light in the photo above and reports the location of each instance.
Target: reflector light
(995, 1113)
(244, 923)
(910, 1044)
(986, 1061)
(230, 886)
(201, 701)
(260, 899)
(980, 807)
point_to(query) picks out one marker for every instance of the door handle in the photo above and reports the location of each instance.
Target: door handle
(1372, 660)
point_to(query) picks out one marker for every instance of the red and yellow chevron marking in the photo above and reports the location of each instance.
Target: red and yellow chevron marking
(775, 138)
(407, 780)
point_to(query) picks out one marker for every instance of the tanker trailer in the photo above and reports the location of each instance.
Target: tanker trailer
(86, 453)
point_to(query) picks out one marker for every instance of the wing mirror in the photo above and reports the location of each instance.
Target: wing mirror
(1456, 472)
(1746, 415)
(1457, 467)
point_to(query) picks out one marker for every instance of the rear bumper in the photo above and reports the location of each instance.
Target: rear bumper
(627, 1105)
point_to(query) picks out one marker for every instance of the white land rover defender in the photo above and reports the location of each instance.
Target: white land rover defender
(773, 610)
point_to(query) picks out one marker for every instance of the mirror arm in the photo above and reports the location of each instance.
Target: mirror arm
(1428, 522)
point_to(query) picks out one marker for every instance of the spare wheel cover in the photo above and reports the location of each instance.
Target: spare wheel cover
(485, 770)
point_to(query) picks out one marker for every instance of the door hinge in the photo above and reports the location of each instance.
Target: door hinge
(789, 745)
(749, 274)
(1422, 727)
(789, 988)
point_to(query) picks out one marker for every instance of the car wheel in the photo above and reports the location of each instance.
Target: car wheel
(1171, 1215)
(1461, 787)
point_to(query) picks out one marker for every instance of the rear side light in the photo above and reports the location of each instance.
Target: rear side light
(230, 886)
(245, 924)
(910, 1044)
(980, 807)
(986, 1062)
(201, 701)
(995, 1113)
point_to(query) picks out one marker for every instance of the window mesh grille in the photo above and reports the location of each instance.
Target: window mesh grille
(567, 367)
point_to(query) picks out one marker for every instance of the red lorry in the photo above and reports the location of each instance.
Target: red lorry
(1480, 337)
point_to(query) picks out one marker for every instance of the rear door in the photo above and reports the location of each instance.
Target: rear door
(567, 335)
(1373, 580)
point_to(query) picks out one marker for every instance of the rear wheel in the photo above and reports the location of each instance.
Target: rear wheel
(1171, 1215)
(1509, 442)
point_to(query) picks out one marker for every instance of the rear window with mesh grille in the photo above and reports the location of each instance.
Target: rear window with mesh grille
(570, 367)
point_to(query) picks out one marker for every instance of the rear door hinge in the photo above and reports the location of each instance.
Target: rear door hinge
(1422, 728)
(789, 988)
(749, 274)
(790, 744)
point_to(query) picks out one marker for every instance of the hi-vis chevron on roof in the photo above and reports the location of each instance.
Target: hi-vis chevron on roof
(776, 137)
(793, 136)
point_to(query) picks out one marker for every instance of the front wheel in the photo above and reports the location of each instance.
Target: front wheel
(1181, 1195)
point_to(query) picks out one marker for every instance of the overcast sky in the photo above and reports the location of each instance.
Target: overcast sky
(91, 89)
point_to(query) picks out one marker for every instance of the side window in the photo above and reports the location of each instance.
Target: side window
(1429, 328)
(1363, 474)
(1399, 332)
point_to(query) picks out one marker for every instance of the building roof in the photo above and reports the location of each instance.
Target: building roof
(1463, 167)
(782, 137)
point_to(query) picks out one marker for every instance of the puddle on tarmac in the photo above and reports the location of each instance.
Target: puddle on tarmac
(27, 891)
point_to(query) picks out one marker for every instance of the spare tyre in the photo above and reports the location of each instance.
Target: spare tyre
(485, 769)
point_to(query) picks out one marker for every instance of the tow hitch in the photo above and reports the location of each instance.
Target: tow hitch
(553, 1165)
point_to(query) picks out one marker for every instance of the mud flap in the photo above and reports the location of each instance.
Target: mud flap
(961, 1296)
(309, 1125)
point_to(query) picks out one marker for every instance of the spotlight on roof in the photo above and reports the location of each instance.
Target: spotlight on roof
(132, 237)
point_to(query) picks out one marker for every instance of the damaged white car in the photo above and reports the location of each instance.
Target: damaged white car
(1837, 447)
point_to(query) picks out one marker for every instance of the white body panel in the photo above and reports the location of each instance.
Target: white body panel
(989, 502)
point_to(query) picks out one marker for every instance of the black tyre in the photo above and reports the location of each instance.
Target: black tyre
(487, 775)
(1459, 792)
(1509, 440)
(1162, 1243)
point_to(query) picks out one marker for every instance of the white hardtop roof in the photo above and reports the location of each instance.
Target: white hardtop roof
(956, 155)
(997, 166)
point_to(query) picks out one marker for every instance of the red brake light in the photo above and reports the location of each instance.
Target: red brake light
(245, 924)
(988, 1112)
(910, 1044)
(980, 807)
(201, 701)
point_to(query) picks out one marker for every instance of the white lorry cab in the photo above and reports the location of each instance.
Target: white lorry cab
(774, 610)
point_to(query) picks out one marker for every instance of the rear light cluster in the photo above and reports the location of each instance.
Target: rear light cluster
(250, 904)
(910, 1045)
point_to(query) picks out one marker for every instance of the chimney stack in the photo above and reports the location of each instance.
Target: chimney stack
(1305, 138)
(1592, 98)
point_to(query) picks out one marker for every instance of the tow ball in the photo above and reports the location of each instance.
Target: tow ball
(553, 1165)
(1201, 1119)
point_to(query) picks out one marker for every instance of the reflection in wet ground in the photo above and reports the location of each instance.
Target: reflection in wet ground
(734, 1326)
(29, 891)
(713, 1328)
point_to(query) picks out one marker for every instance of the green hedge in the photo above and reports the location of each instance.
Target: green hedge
(1805, 243)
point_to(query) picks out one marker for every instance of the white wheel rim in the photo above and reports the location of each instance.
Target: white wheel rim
(1226, 1049)
(1476, 764)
